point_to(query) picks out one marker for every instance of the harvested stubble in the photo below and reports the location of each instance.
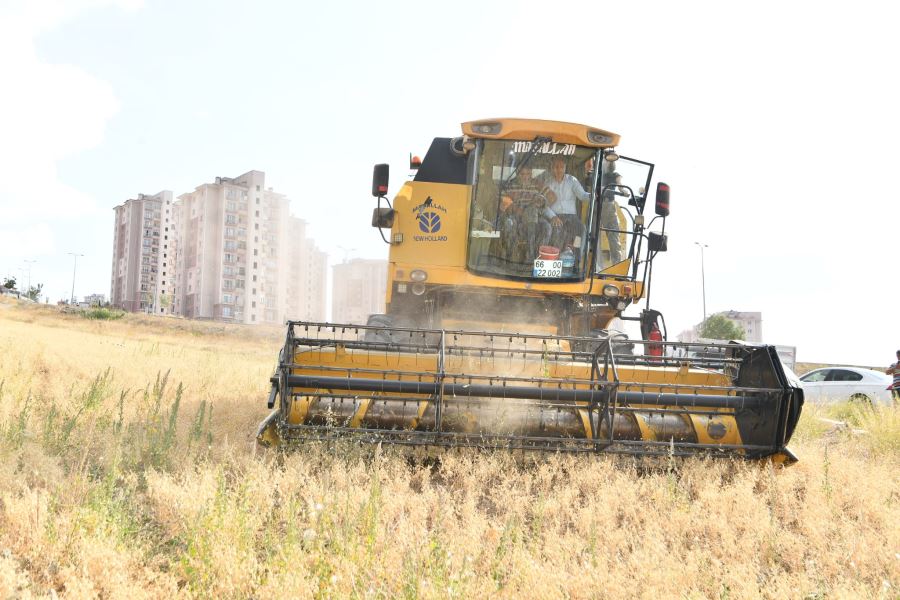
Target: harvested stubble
(114, 482)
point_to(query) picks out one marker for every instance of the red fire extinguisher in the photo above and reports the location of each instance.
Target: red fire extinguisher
(655, 336)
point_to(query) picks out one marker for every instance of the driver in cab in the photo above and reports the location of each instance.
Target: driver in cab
(562, 190)
(523, 206)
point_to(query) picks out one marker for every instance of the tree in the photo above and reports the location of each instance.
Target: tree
(720, 327)
(35, 292)
(9, 283)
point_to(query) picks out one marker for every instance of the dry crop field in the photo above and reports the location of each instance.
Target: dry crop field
(127, 469)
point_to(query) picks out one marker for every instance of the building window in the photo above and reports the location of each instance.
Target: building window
(227, 299)
(226, 311)
(257, 189)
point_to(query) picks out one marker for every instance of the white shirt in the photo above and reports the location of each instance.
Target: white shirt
(566, 192)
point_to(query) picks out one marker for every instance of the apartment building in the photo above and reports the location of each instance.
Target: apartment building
(143, 247)
(306, 289)
(243, 258)
(359, 290)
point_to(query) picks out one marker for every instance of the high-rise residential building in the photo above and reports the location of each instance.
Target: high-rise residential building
(227, 251)
(143, 247)
(233, 259)
(306, 289)
(358, 290)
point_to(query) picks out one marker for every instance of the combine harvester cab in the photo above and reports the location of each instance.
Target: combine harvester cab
(528, 392)
(514, 254)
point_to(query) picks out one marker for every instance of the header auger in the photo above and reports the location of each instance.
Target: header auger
(513, 253)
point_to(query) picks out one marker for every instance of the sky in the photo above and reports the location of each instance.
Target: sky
(774, 123)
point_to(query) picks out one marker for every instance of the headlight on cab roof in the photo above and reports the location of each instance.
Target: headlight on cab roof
(595, 137)
(486, 128)
(418, 275)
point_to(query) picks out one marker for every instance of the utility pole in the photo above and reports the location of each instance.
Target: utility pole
(74, 266)
(703, 276)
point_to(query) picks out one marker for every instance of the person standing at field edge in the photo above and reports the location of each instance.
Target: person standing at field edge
(894, 370)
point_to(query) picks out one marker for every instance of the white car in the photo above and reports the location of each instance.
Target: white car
(837, 384)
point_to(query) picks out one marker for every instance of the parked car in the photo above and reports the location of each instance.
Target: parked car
(836, 384)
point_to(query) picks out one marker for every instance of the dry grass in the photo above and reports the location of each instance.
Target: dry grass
(116, 483)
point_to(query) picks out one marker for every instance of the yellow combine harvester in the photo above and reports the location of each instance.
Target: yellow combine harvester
(513, 253)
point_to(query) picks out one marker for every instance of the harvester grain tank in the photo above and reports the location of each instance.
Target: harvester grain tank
(514, 253)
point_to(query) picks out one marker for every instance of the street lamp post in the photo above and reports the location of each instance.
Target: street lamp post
(347, 252)
(29, 263)
(74, 266)
(703, 276)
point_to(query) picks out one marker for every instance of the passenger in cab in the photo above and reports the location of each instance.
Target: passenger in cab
(609, 213)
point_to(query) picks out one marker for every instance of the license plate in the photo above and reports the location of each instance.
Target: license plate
(547, 268)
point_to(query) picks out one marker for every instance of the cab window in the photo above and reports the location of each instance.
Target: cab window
(531, 209)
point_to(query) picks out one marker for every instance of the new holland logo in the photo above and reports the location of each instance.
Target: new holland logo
(429, 220)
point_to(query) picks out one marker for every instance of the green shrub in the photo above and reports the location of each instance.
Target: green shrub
(104, 314)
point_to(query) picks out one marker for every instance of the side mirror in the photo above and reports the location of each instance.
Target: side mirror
(662, 199)
(383, 217)
(657, 242)
(380, 176)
